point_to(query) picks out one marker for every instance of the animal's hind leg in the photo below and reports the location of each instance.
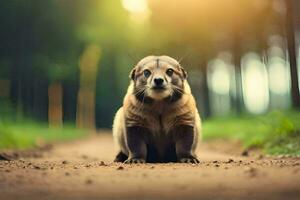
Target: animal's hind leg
(121, 157)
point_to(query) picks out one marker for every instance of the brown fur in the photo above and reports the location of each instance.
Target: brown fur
(161, 118)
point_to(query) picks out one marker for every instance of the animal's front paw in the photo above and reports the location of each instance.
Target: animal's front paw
(189, 160)
(134, 160)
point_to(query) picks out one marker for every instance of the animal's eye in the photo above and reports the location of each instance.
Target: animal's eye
(170, 72)
(147, 73)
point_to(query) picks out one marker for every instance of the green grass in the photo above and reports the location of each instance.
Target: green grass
(275, 133)
(24, 135)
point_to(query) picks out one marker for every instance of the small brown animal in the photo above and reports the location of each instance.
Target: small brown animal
(159, 121)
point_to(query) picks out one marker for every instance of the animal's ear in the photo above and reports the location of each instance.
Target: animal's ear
(132, 74)
(184, 73)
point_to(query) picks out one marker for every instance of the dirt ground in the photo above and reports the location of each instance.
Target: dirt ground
(84, 170)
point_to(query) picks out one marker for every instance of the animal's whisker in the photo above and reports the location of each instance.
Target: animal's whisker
(159, 104)
(178, 90)
(141, 104)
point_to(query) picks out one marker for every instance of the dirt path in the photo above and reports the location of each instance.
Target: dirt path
(84, 170)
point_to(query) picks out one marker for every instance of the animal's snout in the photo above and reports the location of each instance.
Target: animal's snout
(158, 81)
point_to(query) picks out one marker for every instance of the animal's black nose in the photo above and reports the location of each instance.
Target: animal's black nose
(158, 81)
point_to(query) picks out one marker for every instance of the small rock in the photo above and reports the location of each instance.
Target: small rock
(101, 163)
(251, 171)
(36, 167)
(4, 157)
(67, 174)
(88, 181)
(65, 162)
(245, 153)
(152, 167)
(215, 161)
(7, 170)
(88, 165)
(230, 160)
(120, 168)
(216, 165)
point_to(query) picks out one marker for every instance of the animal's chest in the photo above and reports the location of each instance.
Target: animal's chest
(160, 124)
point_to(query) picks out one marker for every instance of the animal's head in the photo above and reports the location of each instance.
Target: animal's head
(158, 78)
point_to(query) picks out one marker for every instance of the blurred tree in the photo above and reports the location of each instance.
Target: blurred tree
(46, 44)
(59, 47)
(39, 39)
(238, 71)
(292, 54)
(88, 65)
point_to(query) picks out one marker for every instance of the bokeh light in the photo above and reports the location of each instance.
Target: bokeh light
(255, 84)
(220, 78)
(278, 76)
(138, 10)
(135, 6)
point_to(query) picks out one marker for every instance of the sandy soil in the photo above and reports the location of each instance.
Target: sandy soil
(84, 170)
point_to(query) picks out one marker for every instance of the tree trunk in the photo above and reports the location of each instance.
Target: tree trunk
(206, 99)
(292, 54)
(4, 88)
(55, 108)
(238, 101)
(88, 64)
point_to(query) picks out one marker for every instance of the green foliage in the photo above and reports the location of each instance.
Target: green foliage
(6, 110)
(19, 133)
(23, 135)
(275, 133)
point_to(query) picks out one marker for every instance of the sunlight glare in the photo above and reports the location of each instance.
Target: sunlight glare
(138, 9)
(135, 6)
